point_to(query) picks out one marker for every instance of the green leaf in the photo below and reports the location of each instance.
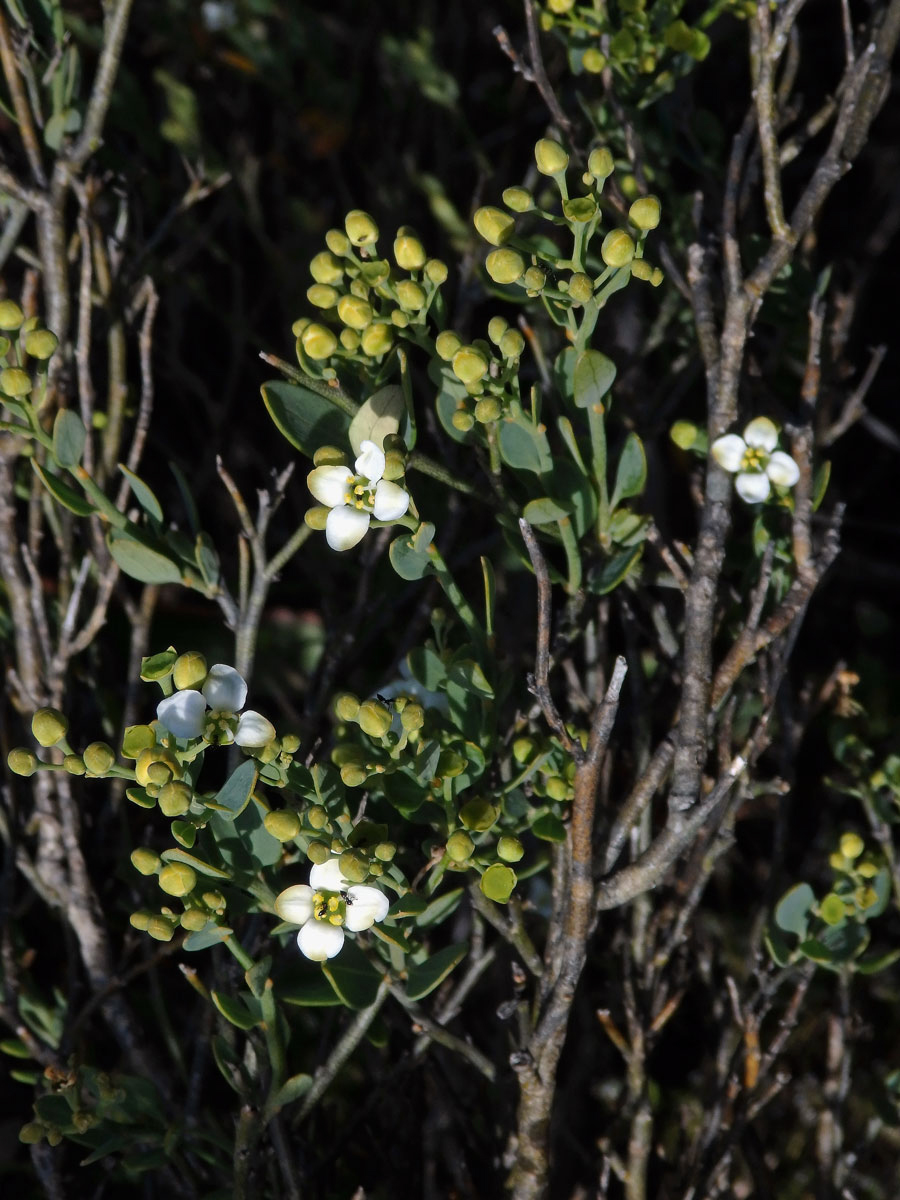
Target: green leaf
(549, 828)
(877, 962)
(207, 559)
(306, 419)
(378, 418)
(313, 990)
(427, 668)
(142, 557)
(631, 475)
(203, 868)
(63, 494)
(143, 494)
(467, 674)
(836, 945)
(426, 976)
(793, 909)
(234, 1010)
(440, 908)
(354, 980)
(232, 799)
(881, 885)
(69, 437)
(61, 123)
(158, 666)
(777, 946)
(614, 572)
(210, 935)
(409, 905)
(544, 511)
(257, 975)
(230, 1066)
(450, 392)
(593, 376)
(409, 558)
(820, 484)
(524, 445)
(292, 1089)
(498, 882)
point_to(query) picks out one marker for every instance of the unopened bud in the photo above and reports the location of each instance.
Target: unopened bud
(318, 341)
(394, 465)
(497, 326)
(354, 312)
(318, 852)
(436, 271)
(377, 339)
(156, 756)
(534, 279)
(641, 269)
(74, 764)
(177, 879)
(329, 456)
(399, 318)
(851, 845)
(556, 788)
(412, 717)
(593, 61)
(361, 228)
(469, 364)
(11, 316)
(353, 775)
(581, 288)
(338, 243)
(354, 866)
(410, 295)
(409, 253)
(550, 157)
(41, 344)
(512, 344)
(600, 163)
(494, 225)
(446, 344)
(15, 382)
(326, 269)
(656, 277)
(645, 212)
(460, 846)
(617, 249)
(98, 758)
(282, 825)
(560, 6)
(518, 199)
(346, 706)
(160, 928)
(478, 814)
(320, 295)
(22, 761)
(487, 409)
(193, 919)
(374, 718)
(317, 816)
(385, 851)
(510, 849)
(350, 340)
(175, 798)
(145, 860)
(49, 726)
(505, 266)
(580, 209)
(140, 920)
(190, 671)
(462, 420)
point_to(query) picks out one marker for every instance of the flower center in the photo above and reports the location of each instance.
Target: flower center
(330, 907)
(220, 727)
(755, 459)
(360, 494)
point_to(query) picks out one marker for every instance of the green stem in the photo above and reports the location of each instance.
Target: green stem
(239, 952)
(597, 427)
(573, 557)
(454, 595)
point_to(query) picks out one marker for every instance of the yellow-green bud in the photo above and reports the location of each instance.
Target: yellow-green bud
(560, 6)
(436, 271)
(353, 775)
(346, 706)
(510, 849)
(679, 37)
(394, 465)
(505, 266)
(518, 199)
(460, 846)
(354, 866)
(354, 312)
(22, 761)
(494, 225)
(550, 157)
(478, 814)
(160, 928)
(98, 758)
(399, 318)
(74, 764)
(446, 344)
(361, 228)
(600, 163)
(410, 295)
(338, 243)
(851, 845)
(641, 269)
(656, 277)
(14, 382)
(283, 825)
(556, 788)
(498, 882)
(318, 852)
(11, 316)
(145, 860)
(684, 434)
(622, 45)
(645, 213)
(487, 409)
(593, 61)
(190, 670)
(350, 340)
(512, 344)
(412, 717)
(177, 879)
(322, 296)
(375, 272)
(534, 279)
(318, 341)
(374, 718)
(156, 756)
(41, 343)
(469, 364)
(194, 919)
(581, 288)
(462, 420)
(867, 869)
(49, 725)
(299, 325)
(175, 798)
(329, 456)
(497, 326)
(385, 851)
(316, 517)
(409, 253)
(617, 249)
(317, 816)
(326, 269)
(523, 749)
(377, 339)
(214, 900)
(140, 920)
(32, 1133)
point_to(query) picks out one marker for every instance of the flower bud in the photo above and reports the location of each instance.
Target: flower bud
(600, 163)
(460, 846)
(326, 269)
(617, 249)
(190, 670)
(497, 326)
(318, 341)
(22, 761)
(282, 825)
(318, 852)
(349, 340)
(299, 325)
(518, 199)
(137, 738)
(175, 798)
(346, 706)
(354, 312)
(498, 882)
(41, 344)
(374, 718)
(140, 920)
(510, 849)
(494, 225)
(436, 271)
(478, 814)
(581, 288)
(412, 717)
(338, 243)
(49, 726)
(851, 845)
(214, 900)
(560, 6)
(145, 860)
(641, 269)
(11, 316)
(193, 919)
(656, 277)
(399, 318)
(593, 61)
(556, 788)
(15, 382)
(550, 157)
(622, 45)
(580, 209)
(361, 228)
(374, 272)
(385, 851)
(317, 816)
(469, 364)
(524, 749)
(98, 758)
(394, 465)
(320, 295)
(409, 253)
(316, 517)
(645, 213)
(353, 775)
(462, 420)
(410, 295)
(505, 266)
(512, 344)
(74, 764)
(446, 344)
(354, 866)
(156, 756)
(160, 928)
(32, 1133)
(534, 279)
(487, 409)
(177, 879)
(377, 339)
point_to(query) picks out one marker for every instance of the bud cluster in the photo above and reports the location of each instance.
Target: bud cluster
(489, 370)
(22, 339)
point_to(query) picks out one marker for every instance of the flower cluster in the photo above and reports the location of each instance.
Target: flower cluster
(328, 905)
(354, 498)
(755, 461)
(214, 712)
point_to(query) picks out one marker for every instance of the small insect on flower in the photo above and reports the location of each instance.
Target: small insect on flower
(328, 905)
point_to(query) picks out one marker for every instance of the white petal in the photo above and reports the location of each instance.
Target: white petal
(254, 730)
(762, 434)
(224, 689)
(391, 501)
(365, 906)
(183, 714)
(346, 527)
(370, 463)
(329, 485)
(729, 451)
(318, 940)
(782, 469)
(295, 904)
(327, 876)
(754, 488)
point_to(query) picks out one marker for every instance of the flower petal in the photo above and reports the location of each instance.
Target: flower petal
(365, 906)
(370, 463)
(729, 451)
(391, 501)
(254, 730)
(752, 487)
(782, 469)
(345, 527)
(224, 689)
(318, 940)
(329, 485)
(327, 875)
(295, 904)
(183, 714)
(762, 434)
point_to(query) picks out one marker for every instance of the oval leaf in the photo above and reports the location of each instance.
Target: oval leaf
(378, 418)
(306, 419)
(63, 494)
(140, 559)
(425, 977)
(792, 911)
(631, 475)
(143, 494)
(524, 445)
(544, 511)
(593, 377)
(69, 437)
(409, 561)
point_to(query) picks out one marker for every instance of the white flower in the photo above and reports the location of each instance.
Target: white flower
(224, 691)
(328, 905)
(755, 461)
(355, 499)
